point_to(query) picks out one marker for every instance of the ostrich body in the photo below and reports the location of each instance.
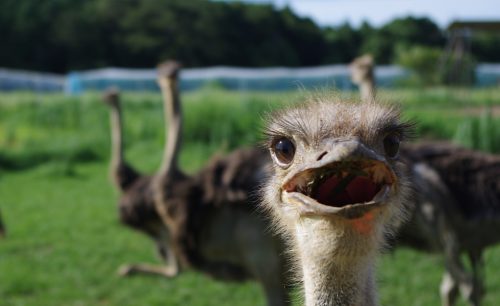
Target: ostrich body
(337, 190)
(362, 74)
(457, 211)
(208, 221)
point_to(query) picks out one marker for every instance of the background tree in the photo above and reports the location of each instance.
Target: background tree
(423, 62)
(64, 35)
(484, 46)
(343, 43)
(402, 33)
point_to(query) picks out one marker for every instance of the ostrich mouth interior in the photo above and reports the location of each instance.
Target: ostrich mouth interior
(343, 183)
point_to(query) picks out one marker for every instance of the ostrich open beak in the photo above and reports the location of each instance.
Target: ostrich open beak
(349, 181)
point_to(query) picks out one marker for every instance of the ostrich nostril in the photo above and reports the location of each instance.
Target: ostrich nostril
(321, 156)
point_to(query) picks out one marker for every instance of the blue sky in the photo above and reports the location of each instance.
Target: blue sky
(378, 12)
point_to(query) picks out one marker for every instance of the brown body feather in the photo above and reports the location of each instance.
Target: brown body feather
(125, 176)
(456, 210)
(136, 207)
(473, 177)
(226, 183)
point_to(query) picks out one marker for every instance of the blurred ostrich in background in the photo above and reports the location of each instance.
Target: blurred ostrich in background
(457, 211)
(362, 74)
(208, 221)
(456, 208)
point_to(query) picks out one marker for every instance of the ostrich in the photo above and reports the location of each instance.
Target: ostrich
(437, 219)
(362, 75)
(136, 204)
(208, 221)
(457, 211)
(337, 190)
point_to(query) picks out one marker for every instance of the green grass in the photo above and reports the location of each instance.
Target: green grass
(35, 129)
(65, 243)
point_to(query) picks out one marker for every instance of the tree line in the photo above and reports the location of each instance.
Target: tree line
(64, 35)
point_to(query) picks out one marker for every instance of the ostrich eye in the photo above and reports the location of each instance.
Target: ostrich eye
(391, 145)
(284, 150)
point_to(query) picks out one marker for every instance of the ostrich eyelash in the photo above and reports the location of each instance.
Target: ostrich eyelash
(406, 130)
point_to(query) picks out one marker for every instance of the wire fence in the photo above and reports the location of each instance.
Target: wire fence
(231, 78)
(29, 80)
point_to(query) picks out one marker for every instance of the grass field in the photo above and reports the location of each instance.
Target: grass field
(64, 241)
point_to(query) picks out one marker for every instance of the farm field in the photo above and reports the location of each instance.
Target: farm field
(64, 241)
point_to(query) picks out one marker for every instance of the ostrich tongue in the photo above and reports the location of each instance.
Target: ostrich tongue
(342, 188)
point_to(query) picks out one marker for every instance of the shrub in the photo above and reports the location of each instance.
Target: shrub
(423, 62)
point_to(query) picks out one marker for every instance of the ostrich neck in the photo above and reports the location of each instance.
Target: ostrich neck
(116, 137)
(367, 89)
(173, 126)
(337, 267)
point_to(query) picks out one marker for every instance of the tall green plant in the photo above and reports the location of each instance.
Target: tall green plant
(480, 133)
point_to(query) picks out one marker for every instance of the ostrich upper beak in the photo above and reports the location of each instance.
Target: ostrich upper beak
(345, 179)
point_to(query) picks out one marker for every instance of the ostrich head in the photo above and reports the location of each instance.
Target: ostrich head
(337, 189)
(362, 69)
(111, 97)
